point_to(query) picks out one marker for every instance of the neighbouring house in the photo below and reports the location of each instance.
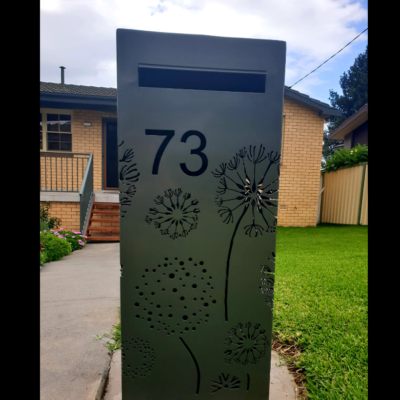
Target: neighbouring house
(354, 130)
(79, 164)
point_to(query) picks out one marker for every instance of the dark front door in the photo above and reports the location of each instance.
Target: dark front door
(110, 149)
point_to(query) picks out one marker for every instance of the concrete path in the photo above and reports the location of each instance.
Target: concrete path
(79, 298)
(282, 386)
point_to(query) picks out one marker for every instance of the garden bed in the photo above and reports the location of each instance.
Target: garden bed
(55, 244)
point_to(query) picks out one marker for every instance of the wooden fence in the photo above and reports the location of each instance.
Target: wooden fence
(345, 196)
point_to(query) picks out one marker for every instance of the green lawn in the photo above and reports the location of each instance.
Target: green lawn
(321, 301)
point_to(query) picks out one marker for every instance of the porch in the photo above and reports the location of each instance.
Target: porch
(66, 181)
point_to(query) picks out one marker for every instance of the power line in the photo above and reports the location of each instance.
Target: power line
(328, 58)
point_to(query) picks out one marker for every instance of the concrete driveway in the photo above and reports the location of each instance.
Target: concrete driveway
(79, 298)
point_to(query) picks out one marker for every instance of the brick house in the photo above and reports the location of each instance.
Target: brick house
(78, 148)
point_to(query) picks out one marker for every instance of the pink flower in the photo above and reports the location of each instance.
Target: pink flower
(77, 233)
(44, 231)
(73, 237)
(82, 236)
(61, 229)
(51, 230)
(67, 234)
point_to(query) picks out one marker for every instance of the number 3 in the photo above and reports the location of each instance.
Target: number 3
(168, 136)
(197, 151)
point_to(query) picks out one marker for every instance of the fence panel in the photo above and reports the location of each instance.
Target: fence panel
(341, 196)
(364, 207)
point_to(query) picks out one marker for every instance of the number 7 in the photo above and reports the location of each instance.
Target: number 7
(168, 136)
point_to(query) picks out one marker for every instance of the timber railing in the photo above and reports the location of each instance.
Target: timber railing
(69, 172)
(62, 172)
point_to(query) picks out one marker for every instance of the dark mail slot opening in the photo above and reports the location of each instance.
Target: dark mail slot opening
(170, 78)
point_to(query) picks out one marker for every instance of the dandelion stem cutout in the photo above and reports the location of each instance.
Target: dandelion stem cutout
(246, 186)
(183, 307)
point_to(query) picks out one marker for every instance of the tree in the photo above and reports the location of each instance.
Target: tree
(354, 84)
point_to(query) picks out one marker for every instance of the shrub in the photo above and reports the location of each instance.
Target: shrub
(44, 226)
(56, 247)
(344, 158)
(75, 239)
(52, 222)
(43, 257)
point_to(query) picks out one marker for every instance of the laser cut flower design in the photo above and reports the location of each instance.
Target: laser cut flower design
(245, 183)
(128, 156)
(246, 344)
(225, 383)
(249, 192)
(176, 215)
(189, 305)
(127, 176)
(268, 281)
(136, 365)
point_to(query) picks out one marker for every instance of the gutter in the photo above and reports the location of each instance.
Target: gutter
(329, 111)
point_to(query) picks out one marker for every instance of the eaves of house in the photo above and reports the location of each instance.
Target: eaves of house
(57, 95)
(350, 124)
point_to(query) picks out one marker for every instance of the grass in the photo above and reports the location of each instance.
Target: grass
(115, 335)
(321, 305)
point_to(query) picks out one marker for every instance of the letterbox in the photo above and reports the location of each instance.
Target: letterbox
(199, 141)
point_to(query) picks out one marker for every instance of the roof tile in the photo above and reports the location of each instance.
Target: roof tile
(77, 89)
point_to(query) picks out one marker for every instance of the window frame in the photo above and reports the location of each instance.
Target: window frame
(44, 112)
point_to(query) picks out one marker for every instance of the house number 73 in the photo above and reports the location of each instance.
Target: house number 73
(168, 136)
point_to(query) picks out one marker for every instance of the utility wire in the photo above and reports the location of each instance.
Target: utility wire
(328, 58)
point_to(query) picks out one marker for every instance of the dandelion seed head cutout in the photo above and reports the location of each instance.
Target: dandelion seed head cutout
(175, 214)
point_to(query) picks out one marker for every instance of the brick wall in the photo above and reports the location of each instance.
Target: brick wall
(300, 167)
(89, 139)
(68, 212)
(84, 140)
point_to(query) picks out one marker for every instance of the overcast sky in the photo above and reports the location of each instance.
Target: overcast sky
(80, 34)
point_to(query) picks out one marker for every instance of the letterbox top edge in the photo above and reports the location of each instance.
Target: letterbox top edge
(123, 30)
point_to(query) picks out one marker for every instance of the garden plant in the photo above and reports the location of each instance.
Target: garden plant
(345, 158)
(59, 244)
(47, 222)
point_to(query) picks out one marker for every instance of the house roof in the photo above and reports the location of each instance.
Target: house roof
(324, 108)
(57, 95)
(350, 124)
(77, 89)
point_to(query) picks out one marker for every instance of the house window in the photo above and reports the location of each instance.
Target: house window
(41, 133)
(59, 132)
(56, 130)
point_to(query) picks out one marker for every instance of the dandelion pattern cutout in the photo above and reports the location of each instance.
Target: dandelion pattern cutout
(224, 382)
(176, 215)
(141, 362)
(245, 183)
(127, 176)
(246, 345)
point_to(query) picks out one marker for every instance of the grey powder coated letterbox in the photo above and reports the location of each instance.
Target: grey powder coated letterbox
(199, 133)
